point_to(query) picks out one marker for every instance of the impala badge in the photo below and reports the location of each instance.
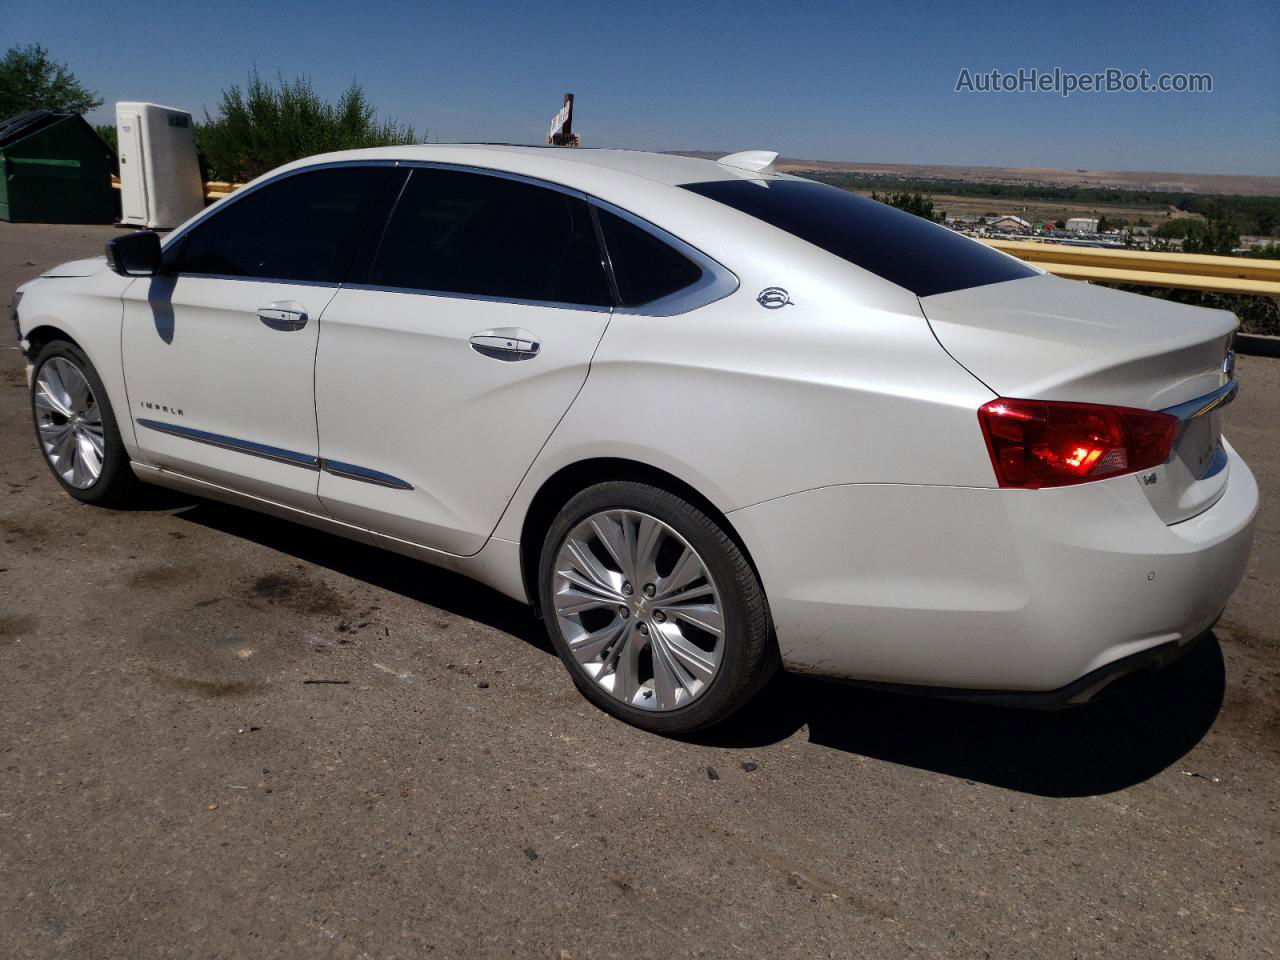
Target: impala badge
(771, 298)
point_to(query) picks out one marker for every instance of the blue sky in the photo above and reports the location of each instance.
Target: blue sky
(834, 81)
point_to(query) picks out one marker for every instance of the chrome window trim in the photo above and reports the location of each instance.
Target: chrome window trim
(716, 283)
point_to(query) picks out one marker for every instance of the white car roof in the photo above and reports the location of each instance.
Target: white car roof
(577, 167)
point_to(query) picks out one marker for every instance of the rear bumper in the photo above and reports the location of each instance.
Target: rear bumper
(1083, 690)
(993, 591)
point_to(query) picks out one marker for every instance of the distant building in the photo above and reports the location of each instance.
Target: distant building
(1083, 224)
(1010, 224)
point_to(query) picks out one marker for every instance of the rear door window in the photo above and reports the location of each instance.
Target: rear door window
(300, 228)
(474, 234)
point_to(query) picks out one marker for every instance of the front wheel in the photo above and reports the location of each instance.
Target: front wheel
(76, 426)
(654, 609)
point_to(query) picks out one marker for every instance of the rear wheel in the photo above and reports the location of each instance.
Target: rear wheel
(653, 608)
(76, 426)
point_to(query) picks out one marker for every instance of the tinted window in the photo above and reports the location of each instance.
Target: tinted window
(471, 233)
(299, 228)
(645, 268)
(923, 257)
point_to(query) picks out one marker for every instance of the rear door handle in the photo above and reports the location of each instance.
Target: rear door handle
(283, 315)
(505, 344)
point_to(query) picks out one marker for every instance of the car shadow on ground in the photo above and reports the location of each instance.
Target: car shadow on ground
(1150, 723)
(1147, 724)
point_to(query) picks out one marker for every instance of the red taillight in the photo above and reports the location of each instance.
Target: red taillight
(1042, 443)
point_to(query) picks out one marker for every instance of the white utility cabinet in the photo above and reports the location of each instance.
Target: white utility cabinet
(160, 185)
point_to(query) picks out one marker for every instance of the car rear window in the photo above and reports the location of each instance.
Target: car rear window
(904, 249)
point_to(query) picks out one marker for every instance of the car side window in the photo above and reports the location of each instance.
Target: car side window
(645, 268)
(300, 228)
(474, 234)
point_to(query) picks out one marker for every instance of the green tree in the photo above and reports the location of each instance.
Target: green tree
(916, 203)
(1212, 236)
(1266, 251)
(29, 80)
(107, 131)
(1201, 236)
(1177, 228)
(264, 125)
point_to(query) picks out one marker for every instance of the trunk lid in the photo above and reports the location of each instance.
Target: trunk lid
(1046, 338)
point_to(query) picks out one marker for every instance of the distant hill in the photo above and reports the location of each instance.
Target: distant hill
(1203, 183)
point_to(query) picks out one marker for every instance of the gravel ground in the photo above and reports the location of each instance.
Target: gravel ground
(225, 736)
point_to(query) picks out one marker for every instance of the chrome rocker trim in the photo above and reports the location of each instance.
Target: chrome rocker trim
(352, 472)
(349, 471)
(263, 450)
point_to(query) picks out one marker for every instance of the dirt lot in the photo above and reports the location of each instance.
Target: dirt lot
(1041, 211)
(176, 783)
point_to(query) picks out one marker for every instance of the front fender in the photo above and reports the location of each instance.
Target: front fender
(88, 311)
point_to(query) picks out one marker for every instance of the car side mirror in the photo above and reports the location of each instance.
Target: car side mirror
(134, 254)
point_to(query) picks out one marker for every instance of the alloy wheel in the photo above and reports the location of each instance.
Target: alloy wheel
(638, 609)
(69, 423)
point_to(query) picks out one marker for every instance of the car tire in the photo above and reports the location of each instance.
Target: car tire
(694, 580)
(73, 418)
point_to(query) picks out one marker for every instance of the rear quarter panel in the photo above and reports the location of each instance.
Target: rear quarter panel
(846, 384)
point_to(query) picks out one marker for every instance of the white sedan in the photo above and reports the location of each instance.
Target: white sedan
(707, 418)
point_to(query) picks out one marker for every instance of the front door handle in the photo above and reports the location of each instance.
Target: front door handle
(505, 344)
(283, 315)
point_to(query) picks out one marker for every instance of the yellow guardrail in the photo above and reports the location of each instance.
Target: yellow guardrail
(213, 189)
(1190, 271)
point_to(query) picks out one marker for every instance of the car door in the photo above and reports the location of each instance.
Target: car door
(219, 350)
(440, 377)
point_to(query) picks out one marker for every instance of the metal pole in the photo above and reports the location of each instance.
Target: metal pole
(567, 133)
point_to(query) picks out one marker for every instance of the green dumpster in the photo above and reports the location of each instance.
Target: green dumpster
(54, 169)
